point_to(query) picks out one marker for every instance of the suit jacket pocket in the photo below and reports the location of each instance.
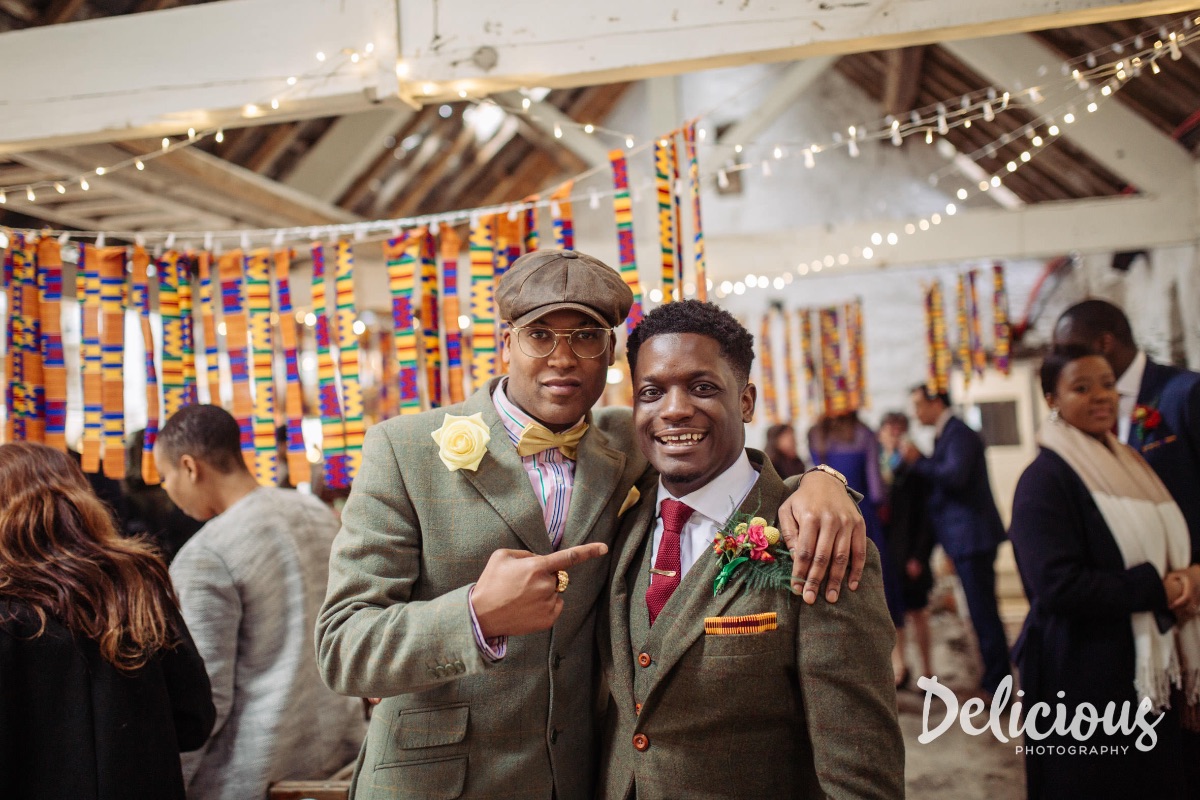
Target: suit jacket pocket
(744, 644)
(415, 730)
(427, 779)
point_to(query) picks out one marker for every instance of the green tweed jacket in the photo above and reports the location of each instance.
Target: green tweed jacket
(396, 623)
(807, 710)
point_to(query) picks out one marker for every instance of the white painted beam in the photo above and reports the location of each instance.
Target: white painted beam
(545, 117)
(1117, 137)
(346, 151)
(1043, 230)
(789, 86)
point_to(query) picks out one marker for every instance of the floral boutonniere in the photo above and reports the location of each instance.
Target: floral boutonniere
(749, 540)
(462, 441)
(1146, 419)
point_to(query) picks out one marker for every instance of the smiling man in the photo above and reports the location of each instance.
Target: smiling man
(488, 520)
(719, 689)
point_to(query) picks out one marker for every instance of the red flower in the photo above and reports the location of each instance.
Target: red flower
(1147, 417)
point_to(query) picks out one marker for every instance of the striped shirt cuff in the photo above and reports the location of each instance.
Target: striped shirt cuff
(493, 649)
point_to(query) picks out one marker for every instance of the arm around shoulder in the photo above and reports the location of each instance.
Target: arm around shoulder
(189, 690)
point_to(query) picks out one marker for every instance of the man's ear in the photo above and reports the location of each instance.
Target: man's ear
(612, 348)
(506, 346)
(1106, 344)
(748, 399)
(191, 467)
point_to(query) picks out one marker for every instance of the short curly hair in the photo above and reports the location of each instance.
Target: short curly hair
(706, 319)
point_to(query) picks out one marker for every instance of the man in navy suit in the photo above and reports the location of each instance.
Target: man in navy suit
(1159, 413)
(966, 521)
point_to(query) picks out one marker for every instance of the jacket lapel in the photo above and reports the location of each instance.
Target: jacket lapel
(501, 478)
(636, 528)
(687, 622)
(598, 469)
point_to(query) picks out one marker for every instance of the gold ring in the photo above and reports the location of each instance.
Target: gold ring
(563, 580)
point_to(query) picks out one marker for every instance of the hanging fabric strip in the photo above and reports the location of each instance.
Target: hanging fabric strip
(353, 408)
(389, 396)
(677, 212)
(8, 286)
(666, 217)
(964, 331)
(262, 363)
(942, 360)
(54, 369)
(212, 370)
(452, 311)
(978, 354)
(860, 355)
(429, 318)
(174, 388)
(333, 432)
(236, 339)
(1002, 331)
(111, 265)
(184, 266)
(401, 254)
(293, 398)
(810, 366)
(29, 396)
(140, 300)
(483, 302)
(563, 216)
(93, 409)
(689, 141)
(508, 237)
(623, 210)
(853, 367)
(767, 359)
(837, 400)
(531, 229)
(789, 371)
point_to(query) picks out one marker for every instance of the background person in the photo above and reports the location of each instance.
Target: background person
(781, 450)
(101, 686)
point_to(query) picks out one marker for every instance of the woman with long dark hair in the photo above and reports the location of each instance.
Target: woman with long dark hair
(101, 687)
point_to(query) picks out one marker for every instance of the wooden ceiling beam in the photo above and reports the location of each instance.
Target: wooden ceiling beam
(902, 81)
(399, 179)
(275, 144)
(422, 121)
(412, 199)
(60, 11)
(19, 10)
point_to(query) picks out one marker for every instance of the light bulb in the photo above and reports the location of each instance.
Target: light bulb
(589, 128)
(526, 103)
(629, 141)
(140, 166)
(58, 187)
(83, 184)
(557, 131)
(100, 170)
(962, 194)
(191, 133)
(320, 56)
(292, 80)
(951, 210)
(220, 136)
(868, 253)
(274, 103)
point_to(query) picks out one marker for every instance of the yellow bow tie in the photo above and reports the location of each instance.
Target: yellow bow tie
(537, 437)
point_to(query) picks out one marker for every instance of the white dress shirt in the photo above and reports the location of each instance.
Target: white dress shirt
(1128, 386)
(713, 504)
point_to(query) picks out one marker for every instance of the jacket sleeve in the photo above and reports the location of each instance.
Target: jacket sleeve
(843, 653)
(189, 690)
(951, 466)
(1050, 543)
(373, 639)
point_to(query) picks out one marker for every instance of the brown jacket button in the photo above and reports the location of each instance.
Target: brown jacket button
(637, 708)
(644, 659)
(641, 743)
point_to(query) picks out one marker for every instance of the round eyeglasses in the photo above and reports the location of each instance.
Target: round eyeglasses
(536, 341)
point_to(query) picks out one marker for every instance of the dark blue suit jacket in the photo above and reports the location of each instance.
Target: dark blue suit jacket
(961, 506)
(1173, 447)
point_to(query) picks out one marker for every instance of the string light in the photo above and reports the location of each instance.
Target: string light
(58, 187)
(29, 195)
(140, 165)
(83, 184)
(220, 137)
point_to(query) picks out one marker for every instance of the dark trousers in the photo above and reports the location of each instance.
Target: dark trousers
(977, 573)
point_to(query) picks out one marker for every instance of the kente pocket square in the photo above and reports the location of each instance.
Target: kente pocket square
(734, 626)
(630, 501)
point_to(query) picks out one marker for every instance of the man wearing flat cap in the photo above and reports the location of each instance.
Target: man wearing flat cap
(474, 546)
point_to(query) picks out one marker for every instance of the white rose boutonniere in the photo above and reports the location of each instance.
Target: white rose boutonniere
(462, 441)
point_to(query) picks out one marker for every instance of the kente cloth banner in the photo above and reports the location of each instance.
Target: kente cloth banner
(140, 299)
(978, 355)
(563, 216)
(833, 378)
(689, 141)
(298, 467)
(667, 234)
(174, 274)
(8, 287)
(964, 331)
(333, 431)
(789, 370)
(111, 265)
(626, 252)
(212, 372)
(1003, 332)
(54, 367)
(531, 229)
(767, 360)
(430, 322)
(389, 396)
(353, 407)
(230, 269)
(26, 394)
(937, 339)
(810, 366)
(508, 235)
(401, 254)
(860, 354)
(483, 302)
(450, 246)
(853, 366)
(677, 210)
(262, 354)
(183, 283)
(90, 353)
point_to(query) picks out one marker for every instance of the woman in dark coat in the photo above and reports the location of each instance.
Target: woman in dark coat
(101, 687)
(1104, 556)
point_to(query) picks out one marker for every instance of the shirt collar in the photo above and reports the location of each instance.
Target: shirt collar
(720, 497)
(511, 416)
(1130, 383)
(940, 425)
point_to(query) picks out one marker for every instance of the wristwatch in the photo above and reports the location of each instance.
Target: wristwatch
(828, 470)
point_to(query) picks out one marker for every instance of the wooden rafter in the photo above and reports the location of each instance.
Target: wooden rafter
(902, 81)
(274, 145)
(412, 198)
(386, 161)
(60, 11)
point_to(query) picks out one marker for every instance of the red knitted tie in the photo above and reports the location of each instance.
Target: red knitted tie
(667, 569)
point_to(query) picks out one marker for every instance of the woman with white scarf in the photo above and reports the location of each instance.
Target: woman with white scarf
(1104, 555)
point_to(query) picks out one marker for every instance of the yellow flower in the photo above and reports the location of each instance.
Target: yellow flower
(758, 521)
(462, 441)
(740, 529)
(772, 534)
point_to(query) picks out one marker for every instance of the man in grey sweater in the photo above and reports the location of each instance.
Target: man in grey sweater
(250, 585)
